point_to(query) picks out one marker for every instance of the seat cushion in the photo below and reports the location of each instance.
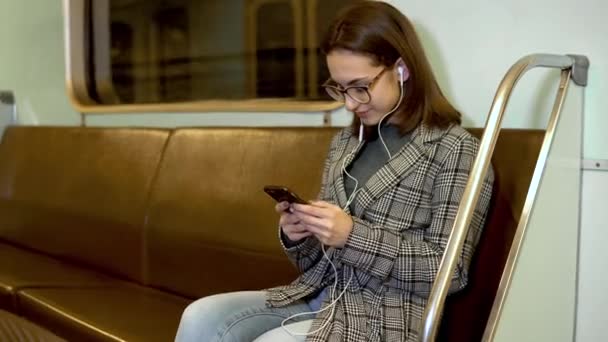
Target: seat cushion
(130, 313)
(16, 329)
(20, 268)
(79, 192)
(221, 233)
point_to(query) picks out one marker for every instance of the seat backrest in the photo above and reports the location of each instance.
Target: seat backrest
(211, 227)
(514, 159)
(79, 193)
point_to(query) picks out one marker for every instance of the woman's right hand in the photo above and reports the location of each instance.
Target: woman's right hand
(290, 224)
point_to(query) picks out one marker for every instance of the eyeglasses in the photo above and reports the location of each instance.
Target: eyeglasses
(358, 93)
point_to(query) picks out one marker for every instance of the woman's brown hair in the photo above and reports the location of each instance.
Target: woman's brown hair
(380, 31)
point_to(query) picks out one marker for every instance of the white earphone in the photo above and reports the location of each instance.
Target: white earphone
(401, 70)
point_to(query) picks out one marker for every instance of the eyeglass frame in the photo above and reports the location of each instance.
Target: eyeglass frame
(344, 90)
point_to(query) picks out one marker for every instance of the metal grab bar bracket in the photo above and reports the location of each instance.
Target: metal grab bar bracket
(580, 69)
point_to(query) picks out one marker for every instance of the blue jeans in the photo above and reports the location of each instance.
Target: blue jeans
(241, 317)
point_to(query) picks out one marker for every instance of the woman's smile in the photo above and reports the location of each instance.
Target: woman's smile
(362, 114)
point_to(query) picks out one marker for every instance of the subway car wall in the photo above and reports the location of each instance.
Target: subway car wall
(471, 45)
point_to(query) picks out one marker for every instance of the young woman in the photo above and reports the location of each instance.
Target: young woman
(369, 248)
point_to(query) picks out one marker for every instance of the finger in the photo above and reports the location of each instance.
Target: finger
(294, 229)
(297, 227)
(281, 206)
(314, 221)
(321, 204)
(299, 236)
(311, 210)
(288, 219)
(320, 233)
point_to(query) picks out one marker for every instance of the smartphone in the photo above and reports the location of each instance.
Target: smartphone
(282, 193)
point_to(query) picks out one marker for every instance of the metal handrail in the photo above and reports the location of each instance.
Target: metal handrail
(431, 318)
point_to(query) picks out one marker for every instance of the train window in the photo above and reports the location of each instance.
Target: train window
(192, 51)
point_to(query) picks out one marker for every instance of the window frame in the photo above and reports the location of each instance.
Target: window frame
(78, 86)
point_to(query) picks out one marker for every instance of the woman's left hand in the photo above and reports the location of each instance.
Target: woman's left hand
(328, 222)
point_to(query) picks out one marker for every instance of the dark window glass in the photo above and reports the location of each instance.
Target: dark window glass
(163, 51)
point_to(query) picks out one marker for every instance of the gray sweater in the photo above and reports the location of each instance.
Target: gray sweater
(372, 157)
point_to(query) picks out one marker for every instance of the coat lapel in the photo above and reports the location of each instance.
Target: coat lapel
(397, 168)
(347, 145)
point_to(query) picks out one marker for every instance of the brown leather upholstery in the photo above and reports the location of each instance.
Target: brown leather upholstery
(186, 213)
(63, 192)
(130, 313)
(16, 329)
(7, 298)
(211, 227)
(20, 268)
(514, 159)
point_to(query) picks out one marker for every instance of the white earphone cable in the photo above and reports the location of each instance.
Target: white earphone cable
(331, 305)
(352, 196)
(387, 114)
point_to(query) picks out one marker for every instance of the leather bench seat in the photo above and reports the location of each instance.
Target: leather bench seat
(106, 234)
(127, 313)
(79, 194)
(16, 329)
(211, 228)
(21, 268)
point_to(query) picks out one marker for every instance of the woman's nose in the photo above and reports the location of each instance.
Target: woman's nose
(350, 104)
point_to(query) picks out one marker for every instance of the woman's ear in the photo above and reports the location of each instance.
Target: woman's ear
(403, 73)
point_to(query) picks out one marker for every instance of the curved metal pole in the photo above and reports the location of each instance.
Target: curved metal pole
(432, 314)
(543, 155)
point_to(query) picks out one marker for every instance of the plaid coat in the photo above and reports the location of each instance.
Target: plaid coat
(402, 220)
